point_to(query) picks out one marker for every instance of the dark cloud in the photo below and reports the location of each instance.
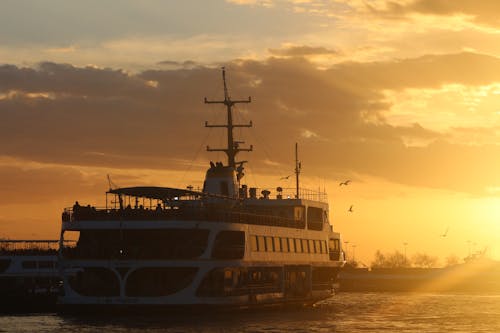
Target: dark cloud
(301, 51)
(483, 12)
(69, 80)
(104, 117)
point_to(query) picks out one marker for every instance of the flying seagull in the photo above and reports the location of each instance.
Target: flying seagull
(350, 209)
(285, 177)
(345, 183)
(445, 233)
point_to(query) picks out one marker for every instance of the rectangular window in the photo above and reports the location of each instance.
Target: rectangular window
(323, 246)
(331, 245)
(253, 243)
(304, 246)
(312, 249)
(284, 244)
(298, 245)
(314, 215)
(261, 243)
(277, 244)
(317, 246)
(299, 213)
(229, 244)
(269, 244)
(291, 243)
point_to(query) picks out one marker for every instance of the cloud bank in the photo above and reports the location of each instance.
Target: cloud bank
(101, 117)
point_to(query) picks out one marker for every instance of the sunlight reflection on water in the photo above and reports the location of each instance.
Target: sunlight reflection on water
(346, 312)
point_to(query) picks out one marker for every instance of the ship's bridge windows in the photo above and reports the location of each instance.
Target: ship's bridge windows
(229, 245)
(315, 218)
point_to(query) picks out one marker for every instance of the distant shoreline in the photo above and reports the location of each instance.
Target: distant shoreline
(477, 276)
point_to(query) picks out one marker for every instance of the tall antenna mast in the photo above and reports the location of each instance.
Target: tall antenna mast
(298, 166)
(233, 147)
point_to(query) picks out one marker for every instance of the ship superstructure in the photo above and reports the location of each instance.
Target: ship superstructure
(29, 278)
(228, 245)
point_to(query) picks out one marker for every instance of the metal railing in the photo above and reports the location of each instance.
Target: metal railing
(288, 193)
(28, 247)
(188, 213)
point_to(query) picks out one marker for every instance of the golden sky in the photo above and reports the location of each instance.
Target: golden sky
(401, 97)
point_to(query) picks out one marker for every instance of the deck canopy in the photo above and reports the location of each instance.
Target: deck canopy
(155, 192)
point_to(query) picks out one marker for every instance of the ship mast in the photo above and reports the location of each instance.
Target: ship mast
(298, 166)
(233, 147)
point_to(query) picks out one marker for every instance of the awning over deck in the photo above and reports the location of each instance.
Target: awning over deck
(154, 192)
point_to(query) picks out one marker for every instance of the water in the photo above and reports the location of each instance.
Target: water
(345, 312)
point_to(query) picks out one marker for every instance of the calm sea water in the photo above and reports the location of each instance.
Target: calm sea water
(345, 312)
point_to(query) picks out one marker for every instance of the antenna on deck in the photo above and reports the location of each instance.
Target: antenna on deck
(298, 166)
(233, 147)
(110, 182)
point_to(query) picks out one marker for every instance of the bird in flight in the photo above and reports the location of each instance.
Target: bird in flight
(445, 233)
(345, 183)
(350, 209)
(286, 177)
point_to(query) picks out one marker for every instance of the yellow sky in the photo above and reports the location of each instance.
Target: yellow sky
(402, 97)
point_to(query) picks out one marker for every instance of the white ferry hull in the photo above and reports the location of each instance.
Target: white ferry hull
(274, 289)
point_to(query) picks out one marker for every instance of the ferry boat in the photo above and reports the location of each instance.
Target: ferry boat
(29, 277)
(225, 246)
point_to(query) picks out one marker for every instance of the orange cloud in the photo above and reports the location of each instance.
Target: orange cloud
(301, 51)
(481, 12)
(109, 118)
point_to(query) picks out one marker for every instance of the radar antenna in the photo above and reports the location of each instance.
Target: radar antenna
(233, 147)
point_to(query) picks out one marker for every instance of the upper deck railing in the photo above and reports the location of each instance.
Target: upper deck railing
(180, 214)
(291, 193)
(28, 247)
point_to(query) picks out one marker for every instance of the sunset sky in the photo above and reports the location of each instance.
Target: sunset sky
(402, 97)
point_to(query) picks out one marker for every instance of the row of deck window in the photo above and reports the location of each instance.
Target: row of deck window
(286, 244)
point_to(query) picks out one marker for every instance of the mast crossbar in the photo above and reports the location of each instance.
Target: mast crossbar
(232, 146)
